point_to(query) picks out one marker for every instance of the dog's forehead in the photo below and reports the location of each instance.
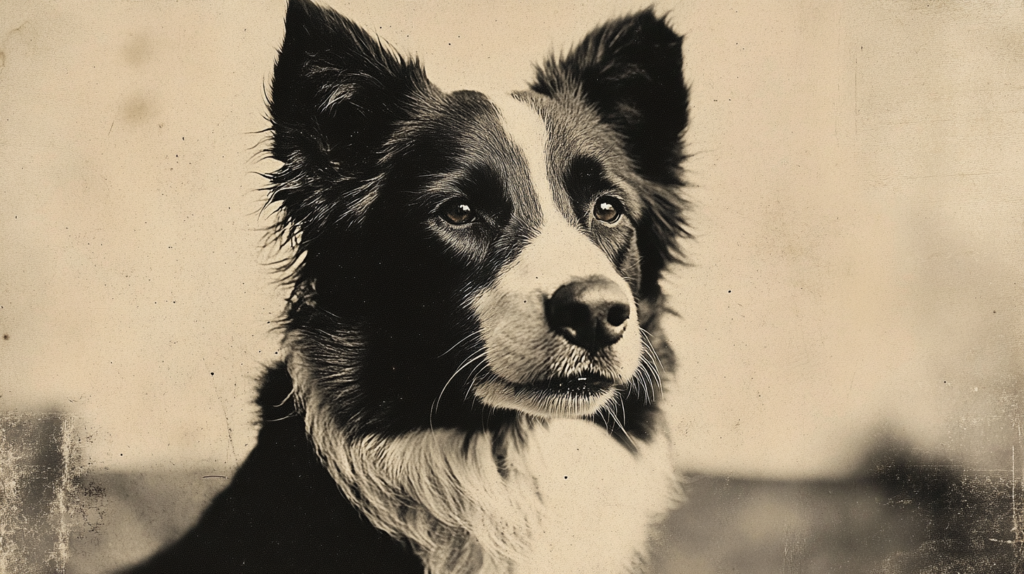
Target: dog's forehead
(546, 139)
(526, 130)
(553, 134)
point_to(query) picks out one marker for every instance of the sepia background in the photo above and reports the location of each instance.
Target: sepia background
(850, 315)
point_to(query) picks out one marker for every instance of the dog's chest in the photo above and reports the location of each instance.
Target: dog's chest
(598, 500)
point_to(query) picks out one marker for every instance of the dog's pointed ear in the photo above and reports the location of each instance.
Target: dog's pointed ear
(336, 92)
(337, 99)
(631, 72)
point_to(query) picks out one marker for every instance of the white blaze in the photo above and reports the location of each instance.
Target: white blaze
(520, 347)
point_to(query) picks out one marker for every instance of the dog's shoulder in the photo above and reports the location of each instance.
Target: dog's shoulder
(282, 512)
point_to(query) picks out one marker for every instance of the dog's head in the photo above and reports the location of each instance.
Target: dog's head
(462, 256)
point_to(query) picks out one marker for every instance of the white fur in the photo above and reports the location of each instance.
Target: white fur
(520, 346)
(572, 498)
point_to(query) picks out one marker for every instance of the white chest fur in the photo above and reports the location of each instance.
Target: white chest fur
(570, 498)
(599, 500)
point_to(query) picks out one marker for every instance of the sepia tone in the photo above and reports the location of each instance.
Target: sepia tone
(849, 393)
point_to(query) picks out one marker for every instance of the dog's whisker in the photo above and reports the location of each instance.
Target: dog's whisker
(648, 358)
(618, 423)
(481, 365)
(648, 346)
(471, 379)
(437, 401)
(290, 394)
(468, 337)
(651, 376)
(622, 405)
(641, 382)
(284, 418)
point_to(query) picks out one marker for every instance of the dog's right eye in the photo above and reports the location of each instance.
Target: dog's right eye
(458, 212)
(608, 209)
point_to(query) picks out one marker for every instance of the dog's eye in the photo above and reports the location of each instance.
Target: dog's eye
(458, 212)
(608, 209)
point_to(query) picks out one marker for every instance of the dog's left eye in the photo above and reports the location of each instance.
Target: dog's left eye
(608, 209)
(458, 212)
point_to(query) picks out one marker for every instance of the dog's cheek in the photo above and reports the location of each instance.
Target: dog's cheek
(630, 269)
(620, 247)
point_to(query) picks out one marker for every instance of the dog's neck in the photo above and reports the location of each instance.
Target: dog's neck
(552, 496)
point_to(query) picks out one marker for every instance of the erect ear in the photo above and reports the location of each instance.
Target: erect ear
(336, 95)
(631, 71)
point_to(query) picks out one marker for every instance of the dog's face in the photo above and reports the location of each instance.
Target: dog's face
(462, 257)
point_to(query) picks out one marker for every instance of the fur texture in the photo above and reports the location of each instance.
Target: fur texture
(473, 344)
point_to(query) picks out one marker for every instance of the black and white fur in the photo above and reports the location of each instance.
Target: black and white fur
(474, 356)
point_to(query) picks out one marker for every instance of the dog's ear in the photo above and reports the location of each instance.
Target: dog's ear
(631, 71)
(336, 95)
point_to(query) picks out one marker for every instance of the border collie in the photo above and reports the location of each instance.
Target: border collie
(474, 359)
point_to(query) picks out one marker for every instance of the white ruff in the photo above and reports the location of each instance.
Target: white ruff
(572, 499)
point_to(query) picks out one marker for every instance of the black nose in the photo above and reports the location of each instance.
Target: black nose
(590, 313)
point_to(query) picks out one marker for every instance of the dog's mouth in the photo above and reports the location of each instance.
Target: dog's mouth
(565, 396)
(584, 385)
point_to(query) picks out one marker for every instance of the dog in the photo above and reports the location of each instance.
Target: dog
(474, 358)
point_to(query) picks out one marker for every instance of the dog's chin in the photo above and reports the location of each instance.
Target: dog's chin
(559, 397)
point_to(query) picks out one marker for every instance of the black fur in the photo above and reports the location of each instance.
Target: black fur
(369, 149)
(282, 511)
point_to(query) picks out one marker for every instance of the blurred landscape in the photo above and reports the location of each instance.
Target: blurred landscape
(901, 514)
